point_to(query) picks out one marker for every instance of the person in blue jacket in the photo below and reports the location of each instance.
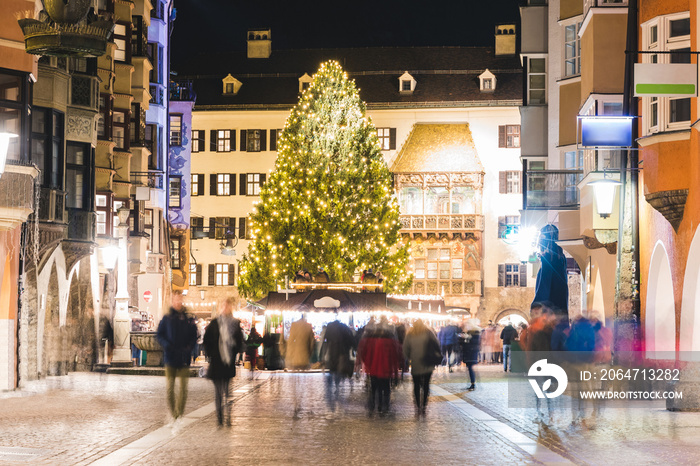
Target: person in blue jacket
(552, 283)
(177, 334)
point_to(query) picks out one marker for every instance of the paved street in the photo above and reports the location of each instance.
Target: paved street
(115, 419)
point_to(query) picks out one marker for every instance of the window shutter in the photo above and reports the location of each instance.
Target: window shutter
(522, 269)
(202, 139)
(241, 227)
(212, 228)
(392, 138)
(501, 226)
(212, 274)
(231, 274)
(212, 184)
(501, 136)
(520, 182)
(232, 225)
(244, 140)
(243, 187)
(232, 184)
(212, 142)
(501, 274)
(263, 140)
(502, 182)
(233, 140)
(198, 277)
(200, 183)
(263, 178)
(273, 140)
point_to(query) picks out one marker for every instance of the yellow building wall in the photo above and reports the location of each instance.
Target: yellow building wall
(569, 104)
(570, 8)
(604, 38)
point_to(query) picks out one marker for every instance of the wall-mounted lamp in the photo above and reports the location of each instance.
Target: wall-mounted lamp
(604, 191)
(110, 254)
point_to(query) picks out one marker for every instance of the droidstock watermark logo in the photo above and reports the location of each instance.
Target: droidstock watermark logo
(542, 369)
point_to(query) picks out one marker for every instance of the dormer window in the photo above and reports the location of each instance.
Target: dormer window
(231, 85)
(304, 82)
(487, 81)
(407, 84)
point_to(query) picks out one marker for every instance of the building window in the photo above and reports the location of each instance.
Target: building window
(175, 253)
(512, 274)
(387, 138)
(509, 182)
(122, 38)
(405, 85)
(223, 184)
(223, 140)
(572, 50)
(509, 136)
(116, 205)
(221, 226)
(222, 275)
(104, 117)
(103, 210)
(197, 224)
(195, 274)
(253, 140)
(488, 84)
(148, 228)
(253, 184)
(47, 145)
(175, 130)
(120, 129)
(536, 81)
(78, 163)
(419, 267)
(175, 195)
(152, 143)
(457, 268)
(197, 140)
(197, 189)
(508, 225)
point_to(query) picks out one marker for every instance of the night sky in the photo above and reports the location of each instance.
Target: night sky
(220, 25)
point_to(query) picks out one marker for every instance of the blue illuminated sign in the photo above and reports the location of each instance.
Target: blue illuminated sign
(606, 131)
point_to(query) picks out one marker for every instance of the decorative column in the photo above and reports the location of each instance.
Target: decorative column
(122, 320)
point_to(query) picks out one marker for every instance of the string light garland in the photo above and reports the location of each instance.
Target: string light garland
(329, 201)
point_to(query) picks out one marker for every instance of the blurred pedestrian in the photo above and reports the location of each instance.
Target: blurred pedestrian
(177, 334)
(300, 345)
(603, 342)
(251, 348)
(508, 335)
(470, 352)
(223, 340)
(338, 342)
(448, 338)
(379, 351)
(418, 347)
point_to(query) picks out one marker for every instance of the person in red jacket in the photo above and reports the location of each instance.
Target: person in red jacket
(379, 351)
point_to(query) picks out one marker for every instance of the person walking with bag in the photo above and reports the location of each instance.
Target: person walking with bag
(422, 349)
(223, 340)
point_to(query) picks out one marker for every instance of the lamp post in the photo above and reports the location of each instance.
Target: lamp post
(122, 320)
(4, 148)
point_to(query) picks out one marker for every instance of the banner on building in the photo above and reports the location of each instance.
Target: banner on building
(606, 131)
(665, 80)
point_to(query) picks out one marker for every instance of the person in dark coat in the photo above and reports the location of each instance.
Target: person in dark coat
(448, 337)
(418, 343)
(552, 283)
(251, 348)
(223, 340)
(508, 334)
(471, 345)
(177, 334)
(337, 343)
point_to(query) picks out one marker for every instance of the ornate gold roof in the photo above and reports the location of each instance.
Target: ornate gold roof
(438, 148)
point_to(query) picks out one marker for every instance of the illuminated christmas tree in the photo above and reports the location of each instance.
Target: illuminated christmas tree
(329, 202)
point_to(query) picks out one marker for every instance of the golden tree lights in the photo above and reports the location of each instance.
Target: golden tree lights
(329, 201)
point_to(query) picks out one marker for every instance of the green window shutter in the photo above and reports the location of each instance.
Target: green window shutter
(244, 141)
(212, 274)
(501, 274)
(522, 269)
(231, 274)
(273, 140)
(241, 227)
(212, 142)
(263, 140)
(212, 184)
(392, 138)
(198, 278)
(232, 184)
(243, 187)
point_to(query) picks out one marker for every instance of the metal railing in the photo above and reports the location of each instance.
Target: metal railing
(182, 90)
(588, 4)
(551, 189)
(600, 160)
(442, 222)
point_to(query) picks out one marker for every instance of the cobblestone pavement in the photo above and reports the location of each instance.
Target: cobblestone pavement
(633, 436)
(82, 418)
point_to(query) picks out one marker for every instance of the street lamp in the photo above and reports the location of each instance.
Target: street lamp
(4, 148)
(110, 254)
(604, 191)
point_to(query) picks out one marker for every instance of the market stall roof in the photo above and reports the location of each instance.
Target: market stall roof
(325, 300)
(434, 304)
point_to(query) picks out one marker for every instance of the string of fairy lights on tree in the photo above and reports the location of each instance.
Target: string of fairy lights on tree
(329, 202)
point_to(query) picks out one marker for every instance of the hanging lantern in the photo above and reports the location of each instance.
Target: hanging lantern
(604, 191)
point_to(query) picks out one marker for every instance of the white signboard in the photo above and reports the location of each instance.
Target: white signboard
(665, 80)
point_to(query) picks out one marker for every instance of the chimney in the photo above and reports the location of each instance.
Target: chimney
(259, 43)
(505, 39)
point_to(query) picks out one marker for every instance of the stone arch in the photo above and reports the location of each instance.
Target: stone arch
(660, 316)
(690, 304)
(49, 322)
(506, 312)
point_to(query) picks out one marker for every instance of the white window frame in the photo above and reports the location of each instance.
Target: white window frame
(577, 47)
(193, 274)
(221, 277)
(253, 184)
(530, 73)
(223, 140)
(513, 274)
(663, 43)
(384, 136)
(514, 182)
(223, 184)
(194, 184)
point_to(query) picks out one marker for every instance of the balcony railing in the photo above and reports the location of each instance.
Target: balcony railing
(81, 225)
(588, 4)
(157, 94)
(442, 222)
(182, 90)
(551, 189)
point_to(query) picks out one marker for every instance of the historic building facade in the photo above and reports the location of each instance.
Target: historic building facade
(452, 139)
